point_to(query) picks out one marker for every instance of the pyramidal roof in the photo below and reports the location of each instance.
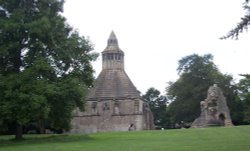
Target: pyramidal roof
(113, 82)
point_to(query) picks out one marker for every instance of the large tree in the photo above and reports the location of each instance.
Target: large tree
(242, 25)
(196, 73)
(157, 104)
(45, 66)
(244, 96)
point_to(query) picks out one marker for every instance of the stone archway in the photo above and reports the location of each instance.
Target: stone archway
(222, 119)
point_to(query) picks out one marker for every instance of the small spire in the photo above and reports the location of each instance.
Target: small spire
(112, 41)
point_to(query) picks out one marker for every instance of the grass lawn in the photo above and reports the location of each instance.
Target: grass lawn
(205, 139)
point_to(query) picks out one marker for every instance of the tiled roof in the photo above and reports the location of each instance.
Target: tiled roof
(113, 84)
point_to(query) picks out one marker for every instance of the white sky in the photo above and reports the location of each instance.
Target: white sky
(155, 34)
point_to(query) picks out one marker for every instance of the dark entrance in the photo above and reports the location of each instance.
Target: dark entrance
(222, 119)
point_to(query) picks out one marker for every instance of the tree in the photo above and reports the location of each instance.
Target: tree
(242, 25)
(244, 96)
(157, 104)
(45, 66)
(196, 73)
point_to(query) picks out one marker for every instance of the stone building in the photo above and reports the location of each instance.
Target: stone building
(214, 110)
(114, 103)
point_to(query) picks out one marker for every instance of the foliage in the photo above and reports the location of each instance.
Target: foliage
(45, 66)
(242, 25)
(244, 96)
(197, 73)
(157, 104)
(208, 139)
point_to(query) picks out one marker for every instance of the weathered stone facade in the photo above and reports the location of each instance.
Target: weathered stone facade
(114, 103)
(214, 110)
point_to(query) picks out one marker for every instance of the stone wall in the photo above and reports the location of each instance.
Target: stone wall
(112, 115)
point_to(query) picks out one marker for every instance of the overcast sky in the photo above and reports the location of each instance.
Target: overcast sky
(155, 34)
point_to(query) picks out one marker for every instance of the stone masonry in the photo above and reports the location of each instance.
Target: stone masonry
(114, 103)
(214, 110)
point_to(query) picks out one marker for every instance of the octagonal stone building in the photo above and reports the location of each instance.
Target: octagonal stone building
(114, 103)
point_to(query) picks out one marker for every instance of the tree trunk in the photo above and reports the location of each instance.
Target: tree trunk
(41, 127)
(19, 131)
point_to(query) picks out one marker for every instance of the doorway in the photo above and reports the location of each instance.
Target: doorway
(222, 119)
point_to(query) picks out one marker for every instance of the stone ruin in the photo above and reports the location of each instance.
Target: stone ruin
(214, 110)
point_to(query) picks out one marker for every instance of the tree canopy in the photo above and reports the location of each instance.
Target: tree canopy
(244, 96)
(242, 25)
(157, 104)
(45, 66)
(196, 73)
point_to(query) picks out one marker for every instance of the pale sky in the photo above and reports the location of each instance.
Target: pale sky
(155, 34)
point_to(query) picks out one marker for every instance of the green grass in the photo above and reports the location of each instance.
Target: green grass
(205, 139)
